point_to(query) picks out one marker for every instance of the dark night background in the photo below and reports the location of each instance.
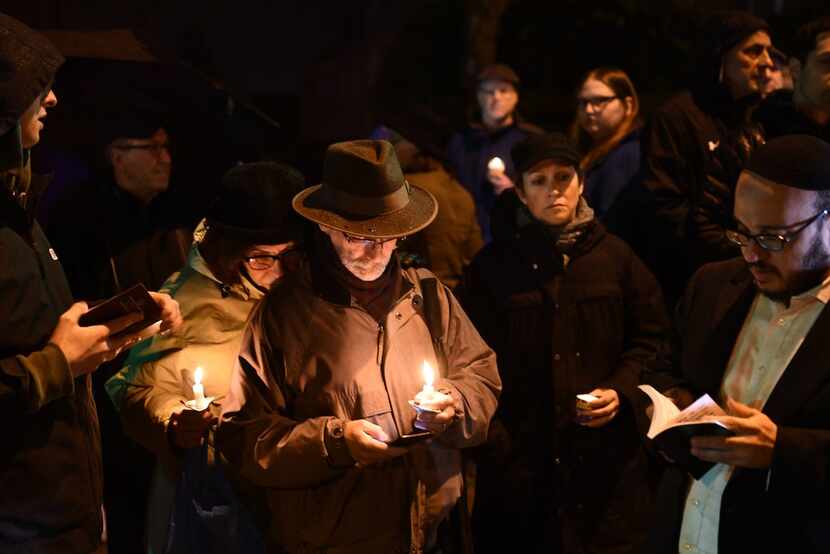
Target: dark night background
(330, 71)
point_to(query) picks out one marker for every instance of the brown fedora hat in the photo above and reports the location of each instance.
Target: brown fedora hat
(364, 193)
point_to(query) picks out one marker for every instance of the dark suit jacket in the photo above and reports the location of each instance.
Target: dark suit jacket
(787, 510)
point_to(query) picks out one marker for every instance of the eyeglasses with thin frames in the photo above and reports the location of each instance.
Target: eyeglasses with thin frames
(773, 242)
(354, 239)
(597, 102)
(267, 261)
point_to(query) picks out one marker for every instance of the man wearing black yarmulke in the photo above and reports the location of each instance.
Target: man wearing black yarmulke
(753, 335)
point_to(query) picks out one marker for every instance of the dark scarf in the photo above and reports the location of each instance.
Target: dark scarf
(567, 236)
(376, 297)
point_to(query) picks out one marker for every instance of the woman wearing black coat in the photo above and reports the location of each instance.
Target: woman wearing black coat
(569, 309)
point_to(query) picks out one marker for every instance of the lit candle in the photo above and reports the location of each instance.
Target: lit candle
(198, 388)
(496, 164)
(429, 377)
(429, 398)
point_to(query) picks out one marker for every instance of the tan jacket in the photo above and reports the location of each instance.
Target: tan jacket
(451, 241)
(158, 375)
(311, 354)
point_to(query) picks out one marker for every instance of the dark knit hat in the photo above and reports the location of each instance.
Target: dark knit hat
(536, 148)
(498, 72)
(798, 161)
(724, 29)
(28, 62)
(254, 203)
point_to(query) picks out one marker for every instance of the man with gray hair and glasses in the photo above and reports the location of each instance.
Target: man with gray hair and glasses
(752, 334)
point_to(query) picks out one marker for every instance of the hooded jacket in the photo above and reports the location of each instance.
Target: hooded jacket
(50, 465)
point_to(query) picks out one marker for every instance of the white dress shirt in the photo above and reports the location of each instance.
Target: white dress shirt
(771, 335)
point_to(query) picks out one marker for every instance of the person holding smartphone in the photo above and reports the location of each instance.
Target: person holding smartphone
(51, 463)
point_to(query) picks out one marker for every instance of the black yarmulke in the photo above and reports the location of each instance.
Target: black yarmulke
(798, 161)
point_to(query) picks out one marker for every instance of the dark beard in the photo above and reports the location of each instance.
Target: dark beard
(814, 269)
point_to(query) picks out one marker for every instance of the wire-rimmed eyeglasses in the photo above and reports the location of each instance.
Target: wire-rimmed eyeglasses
(773, 242)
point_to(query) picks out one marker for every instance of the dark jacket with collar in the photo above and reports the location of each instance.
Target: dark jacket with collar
(50, 465)
(694, 148)
(790, 513)
(560, 331)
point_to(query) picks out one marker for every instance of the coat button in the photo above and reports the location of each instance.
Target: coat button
(557, 357)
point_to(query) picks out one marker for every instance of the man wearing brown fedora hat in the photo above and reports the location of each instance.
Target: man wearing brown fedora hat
(319, 407)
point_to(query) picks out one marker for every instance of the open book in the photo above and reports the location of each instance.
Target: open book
(671, 429)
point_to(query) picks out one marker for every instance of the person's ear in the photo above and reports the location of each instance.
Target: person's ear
(629, 106)
(520, 189)
(324, 229)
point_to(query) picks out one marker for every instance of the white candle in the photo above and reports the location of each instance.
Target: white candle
(496, 164)
(198, 388)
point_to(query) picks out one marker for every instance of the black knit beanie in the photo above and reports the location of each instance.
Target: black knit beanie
(254, 203)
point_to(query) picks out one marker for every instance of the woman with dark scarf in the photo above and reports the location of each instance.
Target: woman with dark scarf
(569, 310)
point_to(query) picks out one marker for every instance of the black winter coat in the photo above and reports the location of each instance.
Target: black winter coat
(784, 508)
(50, 463)
(694, 148)
(559, 331)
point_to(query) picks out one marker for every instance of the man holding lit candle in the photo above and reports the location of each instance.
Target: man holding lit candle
(480, 154)
(331, 368)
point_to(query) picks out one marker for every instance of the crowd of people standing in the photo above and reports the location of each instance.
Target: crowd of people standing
(433, 353)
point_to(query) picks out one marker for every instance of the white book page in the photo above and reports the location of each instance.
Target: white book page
(696, 411)
(664, 410)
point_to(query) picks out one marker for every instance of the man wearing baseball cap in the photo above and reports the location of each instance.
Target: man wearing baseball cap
(332, 358)
(479, 155)
(753, 335)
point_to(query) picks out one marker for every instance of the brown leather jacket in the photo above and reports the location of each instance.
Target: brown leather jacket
(311, 355)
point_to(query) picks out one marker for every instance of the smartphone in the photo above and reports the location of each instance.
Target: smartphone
(412, 438)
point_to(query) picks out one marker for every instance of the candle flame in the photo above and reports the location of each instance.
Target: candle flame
(496, 164)
(197, 376)
(429, 374)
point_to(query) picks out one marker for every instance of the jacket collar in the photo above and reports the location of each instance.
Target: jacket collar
(731, 309)
(805, 372)
(244, 289)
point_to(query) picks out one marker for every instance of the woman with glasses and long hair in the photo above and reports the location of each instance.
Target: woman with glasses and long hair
(606, 129)
(248, 241)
